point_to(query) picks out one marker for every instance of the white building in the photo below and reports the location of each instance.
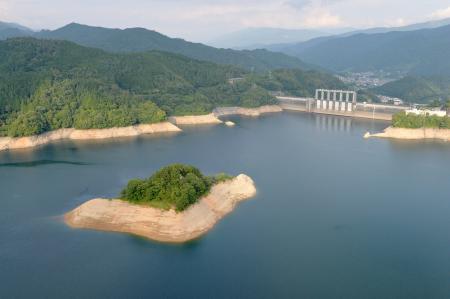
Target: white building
(439, 113)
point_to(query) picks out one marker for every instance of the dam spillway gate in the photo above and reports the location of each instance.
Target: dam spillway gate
(337, 100)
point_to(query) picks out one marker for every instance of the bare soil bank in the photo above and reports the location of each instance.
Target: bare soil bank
(208, 119)
(7, 143)
(412, 134)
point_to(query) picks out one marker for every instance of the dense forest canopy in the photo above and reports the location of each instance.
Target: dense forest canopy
(296, 82)
(417, 89)
(175, 186)
(48, 84)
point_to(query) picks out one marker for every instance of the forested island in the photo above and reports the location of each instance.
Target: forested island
(176, 204)
(47, 85)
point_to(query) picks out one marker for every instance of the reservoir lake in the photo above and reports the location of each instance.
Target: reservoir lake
(336, 216)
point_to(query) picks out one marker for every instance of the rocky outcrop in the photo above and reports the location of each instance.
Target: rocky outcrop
(165, 226)
(254, 112)
(7, 143)
(208, 119)
(412, 134)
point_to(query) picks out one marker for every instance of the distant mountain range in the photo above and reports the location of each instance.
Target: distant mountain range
(257, 38)
(419, 51)
(140, 40)
(424, 52)
(412, 27)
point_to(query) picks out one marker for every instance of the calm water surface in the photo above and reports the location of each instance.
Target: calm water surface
(336, 216)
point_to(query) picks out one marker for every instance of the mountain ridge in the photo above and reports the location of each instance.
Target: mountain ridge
(138, 39)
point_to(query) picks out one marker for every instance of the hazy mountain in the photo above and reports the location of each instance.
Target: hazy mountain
(412, 27)
(140, 39)
(8, 30)
(424, 52)
(253, 38)
(5, 25)
(298, 47)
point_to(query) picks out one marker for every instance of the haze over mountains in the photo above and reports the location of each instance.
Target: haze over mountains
(8, 30)
(420, 52)
(256, 38)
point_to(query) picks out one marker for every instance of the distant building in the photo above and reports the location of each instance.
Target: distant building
(439, 113)
(234, 80)
(390, 100)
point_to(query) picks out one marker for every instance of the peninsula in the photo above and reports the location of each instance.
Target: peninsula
(415, 127)
(176, 204)
(170, 126)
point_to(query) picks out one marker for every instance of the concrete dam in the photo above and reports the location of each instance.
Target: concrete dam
(339, 102)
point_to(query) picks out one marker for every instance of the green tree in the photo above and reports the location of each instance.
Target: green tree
(175, 186)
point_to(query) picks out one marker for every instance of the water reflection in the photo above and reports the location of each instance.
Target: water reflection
(333, 123)
(42, 162)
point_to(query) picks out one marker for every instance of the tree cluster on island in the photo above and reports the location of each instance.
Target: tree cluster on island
(176, 186)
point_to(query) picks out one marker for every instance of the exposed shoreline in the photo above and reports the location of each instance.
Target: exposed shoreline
(213, 118)
(253, 112)
(208, 119)
(412, 134)
(164, 226)
(8, 143)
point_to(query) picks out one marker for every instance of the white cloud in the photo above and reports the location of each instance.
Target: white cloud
(4, 7)
(279, 14)
(441, 13)
(205, 19)
(318, 17)
(396, 23)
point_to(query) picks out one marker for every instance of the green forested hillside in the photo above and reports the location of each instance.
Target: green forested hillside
(417, 89)
(46, 85)
(141, 40)
(296, 82)
(49, 84)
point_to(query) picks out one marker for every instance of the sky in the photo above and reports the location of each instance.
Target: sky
(204, 20)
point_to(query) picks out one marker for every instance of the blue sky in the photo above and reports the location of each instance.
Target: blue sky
(202, 20)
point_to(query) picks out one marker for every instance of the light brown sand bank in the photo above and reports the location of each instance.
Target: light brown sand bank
(254, 112)
(207, 119)
(412, 134)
